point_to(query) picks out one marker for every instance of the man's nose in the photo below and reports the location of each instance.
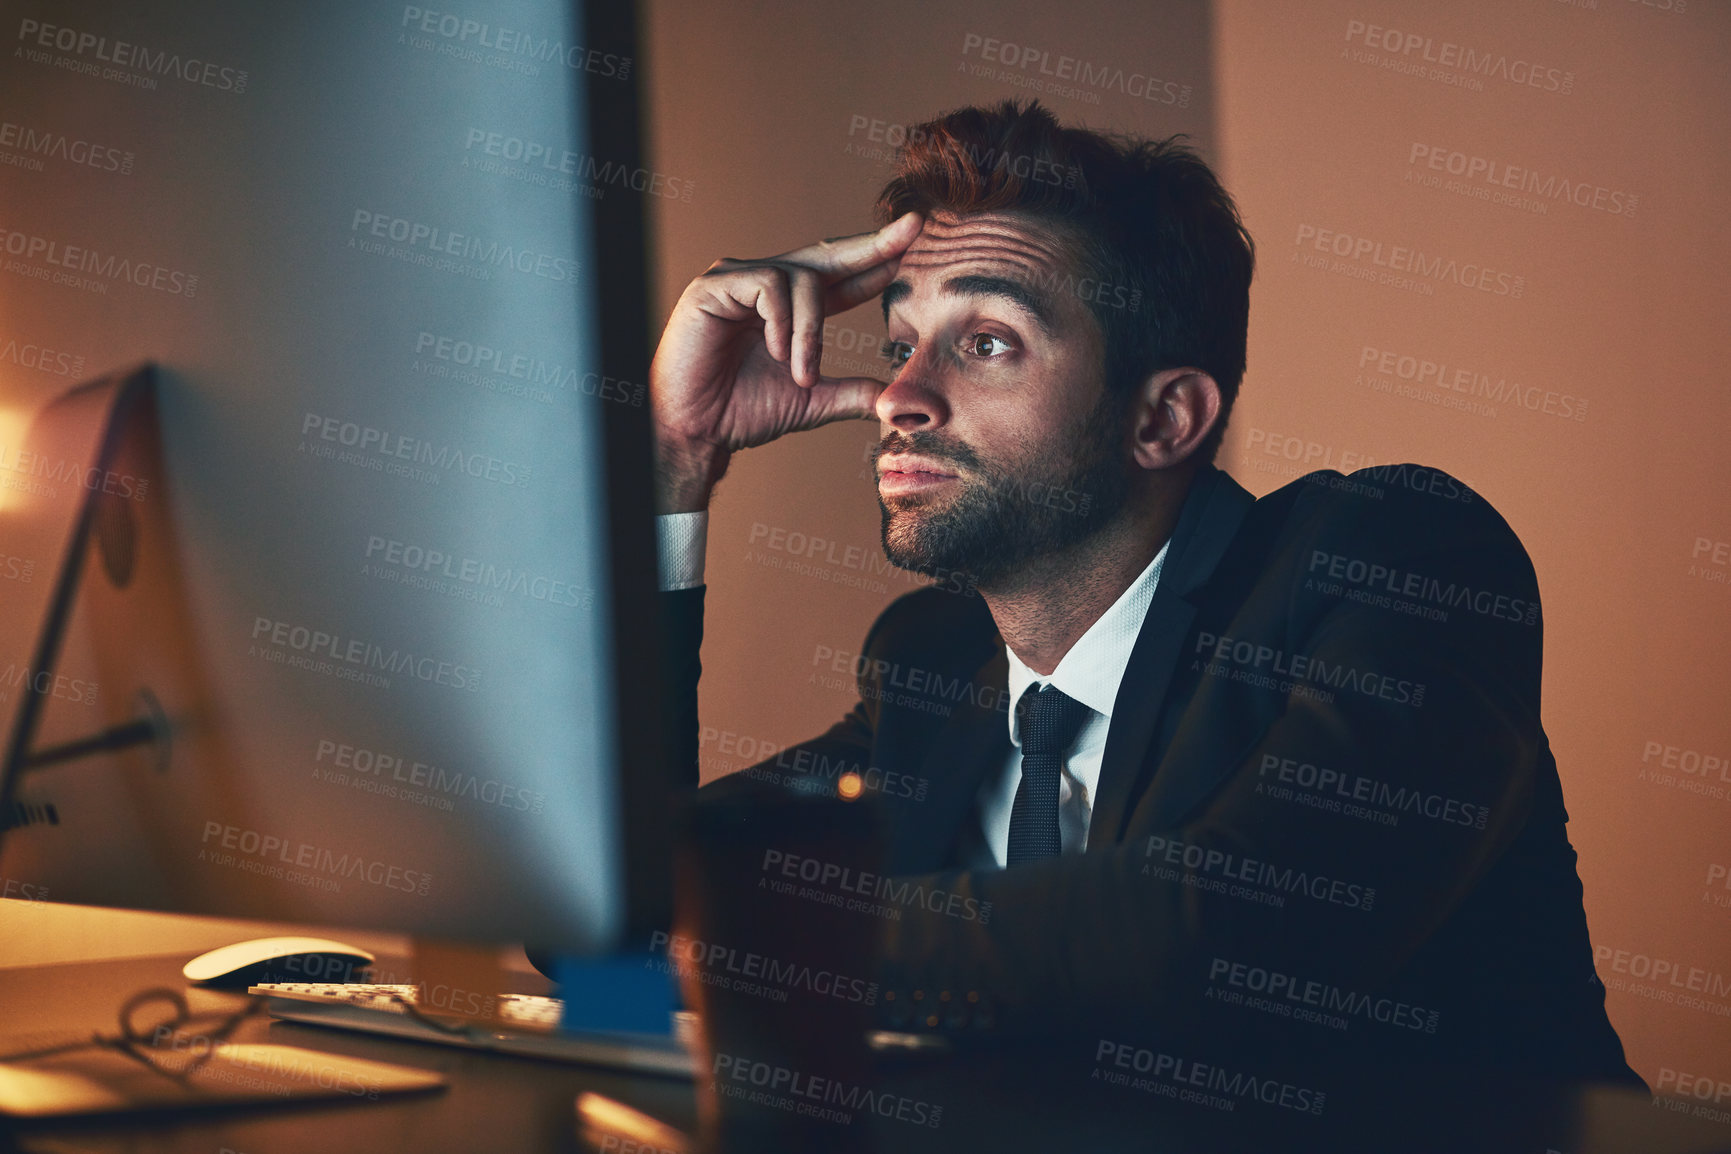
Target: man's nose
(915, 398)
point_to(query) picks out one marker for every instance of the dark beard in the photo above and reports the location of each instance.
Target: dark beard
(1000, 520)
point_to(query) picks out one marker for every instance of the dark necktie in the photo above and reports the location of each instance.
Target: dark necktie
(1048, 722)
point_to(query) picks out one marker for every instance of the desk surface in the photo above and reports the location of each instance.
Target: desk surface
(1003, 1101)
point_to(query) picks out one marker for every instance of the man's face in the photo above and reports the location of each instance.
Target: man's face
(1000, 445)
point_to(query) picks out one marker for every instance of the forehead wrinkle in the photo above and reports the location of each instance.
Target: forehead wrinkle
(1005, 221)
(1008, 243)
(1032, 236)
(1004, 228)
(974, 246)
(1032, 268)
(985, 240)
(1031, 260)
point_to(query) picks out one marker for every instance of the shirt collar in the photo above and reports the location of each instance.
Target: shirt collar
(1093, 668)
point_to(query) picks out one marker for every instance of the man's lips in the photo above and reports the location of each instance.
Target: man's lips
(903, 475)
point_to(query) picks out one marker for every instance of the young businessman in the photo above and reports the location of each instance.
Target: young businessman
(1281, 752)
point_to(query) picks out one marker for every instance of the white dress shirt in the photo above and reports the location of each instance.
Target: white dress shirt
(1090, 672)
(681, 539)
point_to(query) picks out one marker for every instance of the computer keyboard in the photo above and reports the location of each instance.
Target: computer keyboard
(519, 1011)
(524, 1024)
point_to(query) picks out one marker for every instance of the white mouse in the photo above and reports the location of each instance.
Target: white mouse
(278, 960)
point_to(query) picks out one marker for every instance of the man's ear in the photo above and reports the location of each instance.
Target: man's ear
(1174, 411)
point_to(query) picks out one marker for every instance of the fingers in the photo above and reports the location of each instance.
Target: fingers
(850, 270)
(805, 292)
(794, 292)
(843, 398)
(771, 302)
(793, 304)
(847, 255)
(790, 301)
(860, 287)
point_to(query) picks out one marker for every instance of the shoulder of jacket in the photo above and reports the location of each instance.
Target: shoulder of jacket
(934, 620)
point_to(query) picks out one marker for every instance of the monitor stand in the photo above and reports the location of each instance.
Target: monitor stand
(86, 428)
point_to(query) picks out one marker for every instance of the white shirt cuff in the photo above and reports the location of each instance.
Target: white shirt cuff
(680, 539)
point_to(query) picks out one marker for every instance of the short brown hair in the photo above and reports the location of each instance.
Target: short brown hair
(1160, 239)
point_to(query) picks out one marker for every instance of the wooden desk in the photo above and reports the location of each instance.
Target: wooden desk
(1006, 1101)
(493, 1103)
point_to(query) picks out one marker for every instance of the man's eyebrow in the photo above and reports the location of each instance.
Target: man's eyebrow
(1035, 303)
(894, 293)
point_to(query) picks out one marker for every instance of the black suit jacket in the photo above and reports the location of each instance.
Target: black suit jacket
(1327, 823)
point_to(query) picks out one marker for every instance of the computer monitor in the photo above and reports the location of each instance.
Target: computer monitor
(368, 637)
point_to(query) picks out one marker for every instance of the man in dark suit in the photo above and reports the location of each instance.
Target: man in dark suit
(1244, 771)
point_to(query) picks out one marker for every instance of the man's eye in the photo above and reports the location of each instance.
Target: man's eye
(896, 353)
(987, 345)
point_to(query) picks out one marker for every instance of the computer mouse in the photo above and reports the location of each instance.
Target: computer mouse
(248, 963)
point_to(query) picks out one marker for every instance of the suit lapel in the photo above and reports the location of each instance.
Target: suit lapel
(1212, 512)
(971, 743)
